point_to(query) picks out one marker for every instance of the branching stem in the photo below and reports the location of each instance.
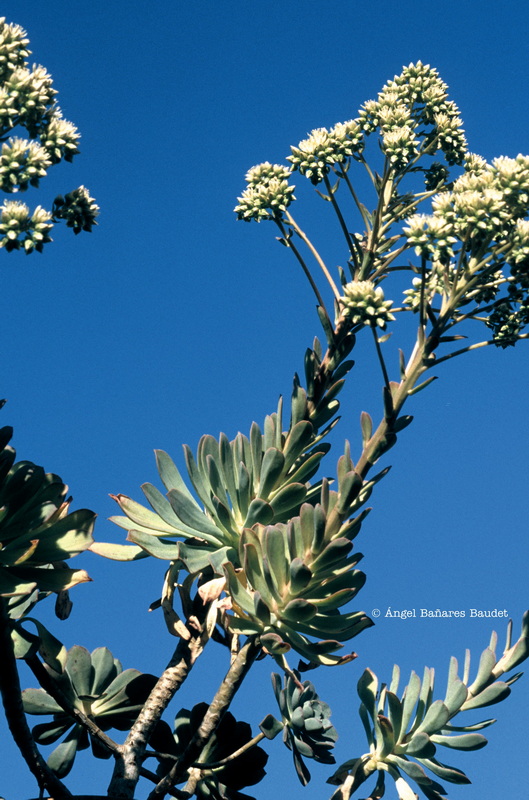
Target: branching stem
(339, 214)
(321, 263)
(16, 718)
(289, 243)
(218, 707)
(129, 759)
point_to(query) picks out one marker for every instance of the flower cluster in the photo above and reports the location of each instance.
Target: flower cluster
(78, 209)
(19, 230)
(400, 146)
(8, 110)
(435, 176)
(420, 86)
(13, 47)
(363, 303)
(323, 148)
(485, 207)
(511, 176)
(519, 254)
(416, 97)
(262, 174)
(33, 96)
(60, 138)
(28, 101)
(22, 163)
(450, 137)
(433, 284)
(474, 163)
(509, 316)
(267, 195)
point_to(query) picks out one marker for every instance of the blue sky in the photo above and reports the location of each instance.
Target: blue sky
(172, 320)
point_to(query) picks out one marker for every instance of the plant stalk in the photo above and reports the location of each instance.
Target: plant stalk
(131, 753)
(213, 716)
(16, 718)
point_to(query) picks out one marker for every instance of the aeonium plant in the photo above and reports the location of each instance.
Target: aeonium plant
(259, 539)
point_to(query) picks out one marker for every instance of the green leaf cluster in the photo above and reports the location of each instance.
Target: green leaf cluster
(307, 728)
(262, 478)
(37, 534)
(404, 733)
(294, 581)
(96, 685)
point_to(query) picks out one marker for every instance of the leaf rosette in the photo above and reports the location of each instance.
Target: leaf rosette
(220, 781)
(404, 733)
(294, 581)
(307, 728)
(37, 534)
(96, 685)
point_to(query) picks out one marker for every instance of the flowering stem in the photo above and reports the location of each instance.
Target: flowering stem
(362, 160)
(289, 243)
(340, 217)
(419, 197)
(360, 207)
(374, 233)
(422, 300)
(381, 358)
(475, 347)
(314, 252)
(385, 267)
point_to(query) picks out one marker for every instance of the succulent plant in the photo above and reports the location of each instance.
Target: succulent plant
(262, 479)
(404, 734)
(307, 729)
(37, 534)
(294, 580)
(96, 685)
(286, 580)
(218, 782)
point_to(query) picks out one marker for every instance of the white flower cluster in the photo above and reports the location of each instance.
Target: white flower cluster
(267, 195)
(27, 98)
(482, 208)
(434, 284)
(31, 92)
(20, 230)
(22, 163)
(364, 304)
(60, 138)
(416, 97)
(13, 47)
(323, 148)
(28, 102)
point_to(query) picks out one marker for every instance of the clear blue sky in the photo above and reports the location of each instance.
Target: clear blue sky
(172, 320)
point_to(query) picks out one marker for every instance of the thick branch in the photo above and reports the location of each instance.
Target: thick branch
(131, 754)
(220, 704)
(16, 718)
